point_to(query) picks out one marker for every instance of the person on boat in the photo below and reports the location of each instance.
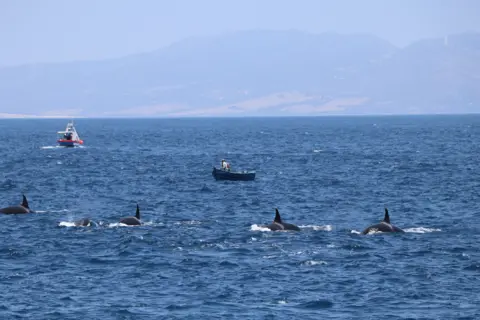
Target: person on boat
(68, 136)
(225, 165)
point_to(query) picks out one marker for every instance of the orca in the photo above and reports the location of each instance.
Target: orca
(20, 209)
(85, 222)
(383, 226)
(132, 221)
(279, 225)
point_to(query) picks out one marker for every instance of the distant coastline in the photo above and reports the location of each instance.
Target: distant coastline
(33, 117)
(290, 73)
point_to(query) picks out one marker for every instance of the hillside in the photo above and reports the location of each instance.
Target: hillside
(257, 73)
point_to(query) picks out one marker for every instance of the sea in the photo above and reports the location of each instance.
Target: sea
(203, 251)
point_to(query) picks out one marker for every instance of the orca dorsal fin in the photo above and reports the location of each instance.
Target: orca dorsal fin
(277, 219)
(25, 202)
(387, 217)
(137, 214)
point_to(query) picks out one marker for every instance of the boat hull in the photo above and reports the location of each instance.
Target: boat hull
(220, 174)
(68, 143)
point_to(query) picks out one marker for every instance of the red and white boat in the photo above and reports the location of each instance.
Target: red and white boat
(69, 137)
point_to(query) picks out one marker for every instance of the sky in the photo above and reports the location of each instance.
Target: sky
(34, 31)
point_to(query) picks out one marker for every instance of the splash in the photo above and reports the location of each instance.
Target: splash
(408, 230)
(55, 211)
(118, 224)
(256, 227)
(318, 228)
(66, 224)
(371, 231)
(69, 224)
(144, 224)
(310, 263)
(421, 230)
(189, 222)
(374, 231)
(60, 147)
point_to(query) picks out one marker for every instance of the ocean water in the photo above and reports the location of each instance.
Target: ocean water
(203, 254)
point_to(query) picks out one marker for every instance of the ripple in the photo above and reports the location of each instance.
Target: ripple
(473, 267)
(199, 255)
(317, 304)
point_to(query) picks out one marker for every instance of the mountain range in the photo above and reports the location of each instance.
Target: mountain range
(256, 73)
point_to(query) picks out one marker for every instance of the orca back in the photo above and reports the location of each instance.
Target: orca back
(289, 226)
(382, 227)
(275, 226)
(14, 210)
(131, 221)
(278, 224)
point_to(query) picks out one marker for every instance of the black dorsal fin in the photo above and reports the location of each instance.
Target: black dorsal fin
(277, 219)
(387, 217)
(25, 202)
(137, 214)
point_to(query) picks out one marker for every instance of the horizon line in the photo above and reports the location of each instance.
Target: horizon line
(32, 117)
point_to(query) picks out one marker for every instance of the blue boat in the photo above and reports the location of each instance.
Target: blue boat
(221, 174)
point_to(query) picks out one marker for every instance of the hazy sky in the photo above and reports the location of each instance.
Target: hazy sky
(63, 30)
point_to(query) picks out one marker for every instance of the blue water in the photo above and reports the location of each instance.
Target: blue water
(203, 254)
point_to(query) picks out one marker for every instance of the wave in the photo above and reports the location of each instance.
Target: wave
(189, 222)
(317, 304)
(60, 147)
(256, 227)
(144, 224)
(407, 230)
(421, 230)
(317, 228)
(108, 225)
(69, 224)
(310, 263)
